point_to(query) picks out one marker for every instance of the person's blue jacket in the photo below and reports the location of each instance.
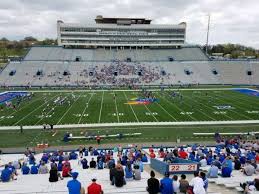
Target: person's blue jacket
(166, 186)
(84, 164)
(60, 165)
(226, 171)
(45, 158)
(25, 170)
(6, 175)
(95, 153)
(100, 164)
(144, 159)
(34, 169)
(128, 173)
(73, 156)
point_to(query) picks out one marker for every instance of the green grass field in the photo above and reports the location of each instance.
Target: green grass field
(101, 107)
(88, 107)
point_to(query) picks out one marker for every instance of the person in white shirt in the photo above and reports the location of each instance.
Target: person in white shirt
(203, 161)
(176, 184)
(197, 184)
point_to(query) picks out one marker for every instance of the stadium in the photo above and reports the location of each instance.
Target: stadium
(126, 81)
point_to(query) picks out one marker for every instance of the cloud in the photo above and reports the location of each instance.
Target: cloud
(231, 21)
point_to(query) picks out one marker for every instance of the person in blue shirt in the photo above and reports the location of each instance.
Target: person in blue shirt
(6, 174)
(84, 163)
(128, 171)
(73, 155)
(31, 159)
(74, 186)
(100, 165)
(95, 152)
(25, 169)
(11, 167)
(34, 169)
(45, 158)
(166, 184)
(144, 158)
(213, 171)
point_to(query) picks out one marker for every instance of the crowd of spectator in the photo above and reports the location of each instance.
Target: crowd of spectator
(219, 161)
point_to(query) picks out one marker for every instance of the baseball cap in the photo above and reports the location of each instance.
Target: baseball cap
(75, 175)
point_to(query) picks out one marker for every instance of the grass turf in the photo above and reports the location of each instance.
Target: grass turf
(149, 134)
(101, 107)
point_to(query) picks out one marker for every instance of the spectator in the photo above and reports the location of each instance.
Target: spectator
(213, 171)
(249, 170)
(152, 184)
(144, 158)
(94, 188)
(176, 184)
(182, 154)
(184, 184)
(128, 171)
(250, 186)
(140, 164)
(74, 186)
(53, 174)
(60, 166)
(6, 174)
(226, 169)
(197, 184)
(166, 184)
(100, 164)
(237, 163)
(84, 163)
(73, 156)
(152, 155)
(136, 172)
(118, 178)
(112, 173)
(111, 162)
(34, 169)
(93, 163)
(25, 169)
(66, 170)
(43, 169)
(205, 180)
(203, 161)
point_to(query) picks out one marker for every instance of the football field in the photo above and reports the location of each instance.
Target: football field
(62, 107)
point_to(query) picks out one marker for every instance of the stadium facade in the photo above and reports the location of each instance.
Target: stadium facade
(124, 52)
(120, 32)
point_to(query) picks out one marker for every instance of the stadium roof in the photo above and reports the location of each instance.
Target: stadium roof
(124, 21)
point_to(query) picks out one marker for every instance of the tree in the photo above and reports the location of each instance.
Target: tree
(30, 38)
(4, 39)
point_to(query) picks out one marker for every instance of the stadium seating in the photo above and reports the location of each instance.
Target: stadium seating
(188, 65)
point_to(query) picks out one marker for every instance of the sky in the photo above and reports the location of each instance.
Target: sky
(232, 21)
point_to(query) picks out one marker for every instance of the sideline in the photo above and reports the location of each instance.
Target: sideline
(97, 125)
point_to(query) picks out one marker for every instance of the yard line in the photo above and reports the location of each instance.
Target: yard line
(247, 103)
(166, 111)
(211, 108)
(115, 101)
(68, 109)
(131, 107)
(36, 99)
(47, 113)
(176, 107)
(100, 113)
(149, 111)
(233, 110)
(33, 111)
(85, 108)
